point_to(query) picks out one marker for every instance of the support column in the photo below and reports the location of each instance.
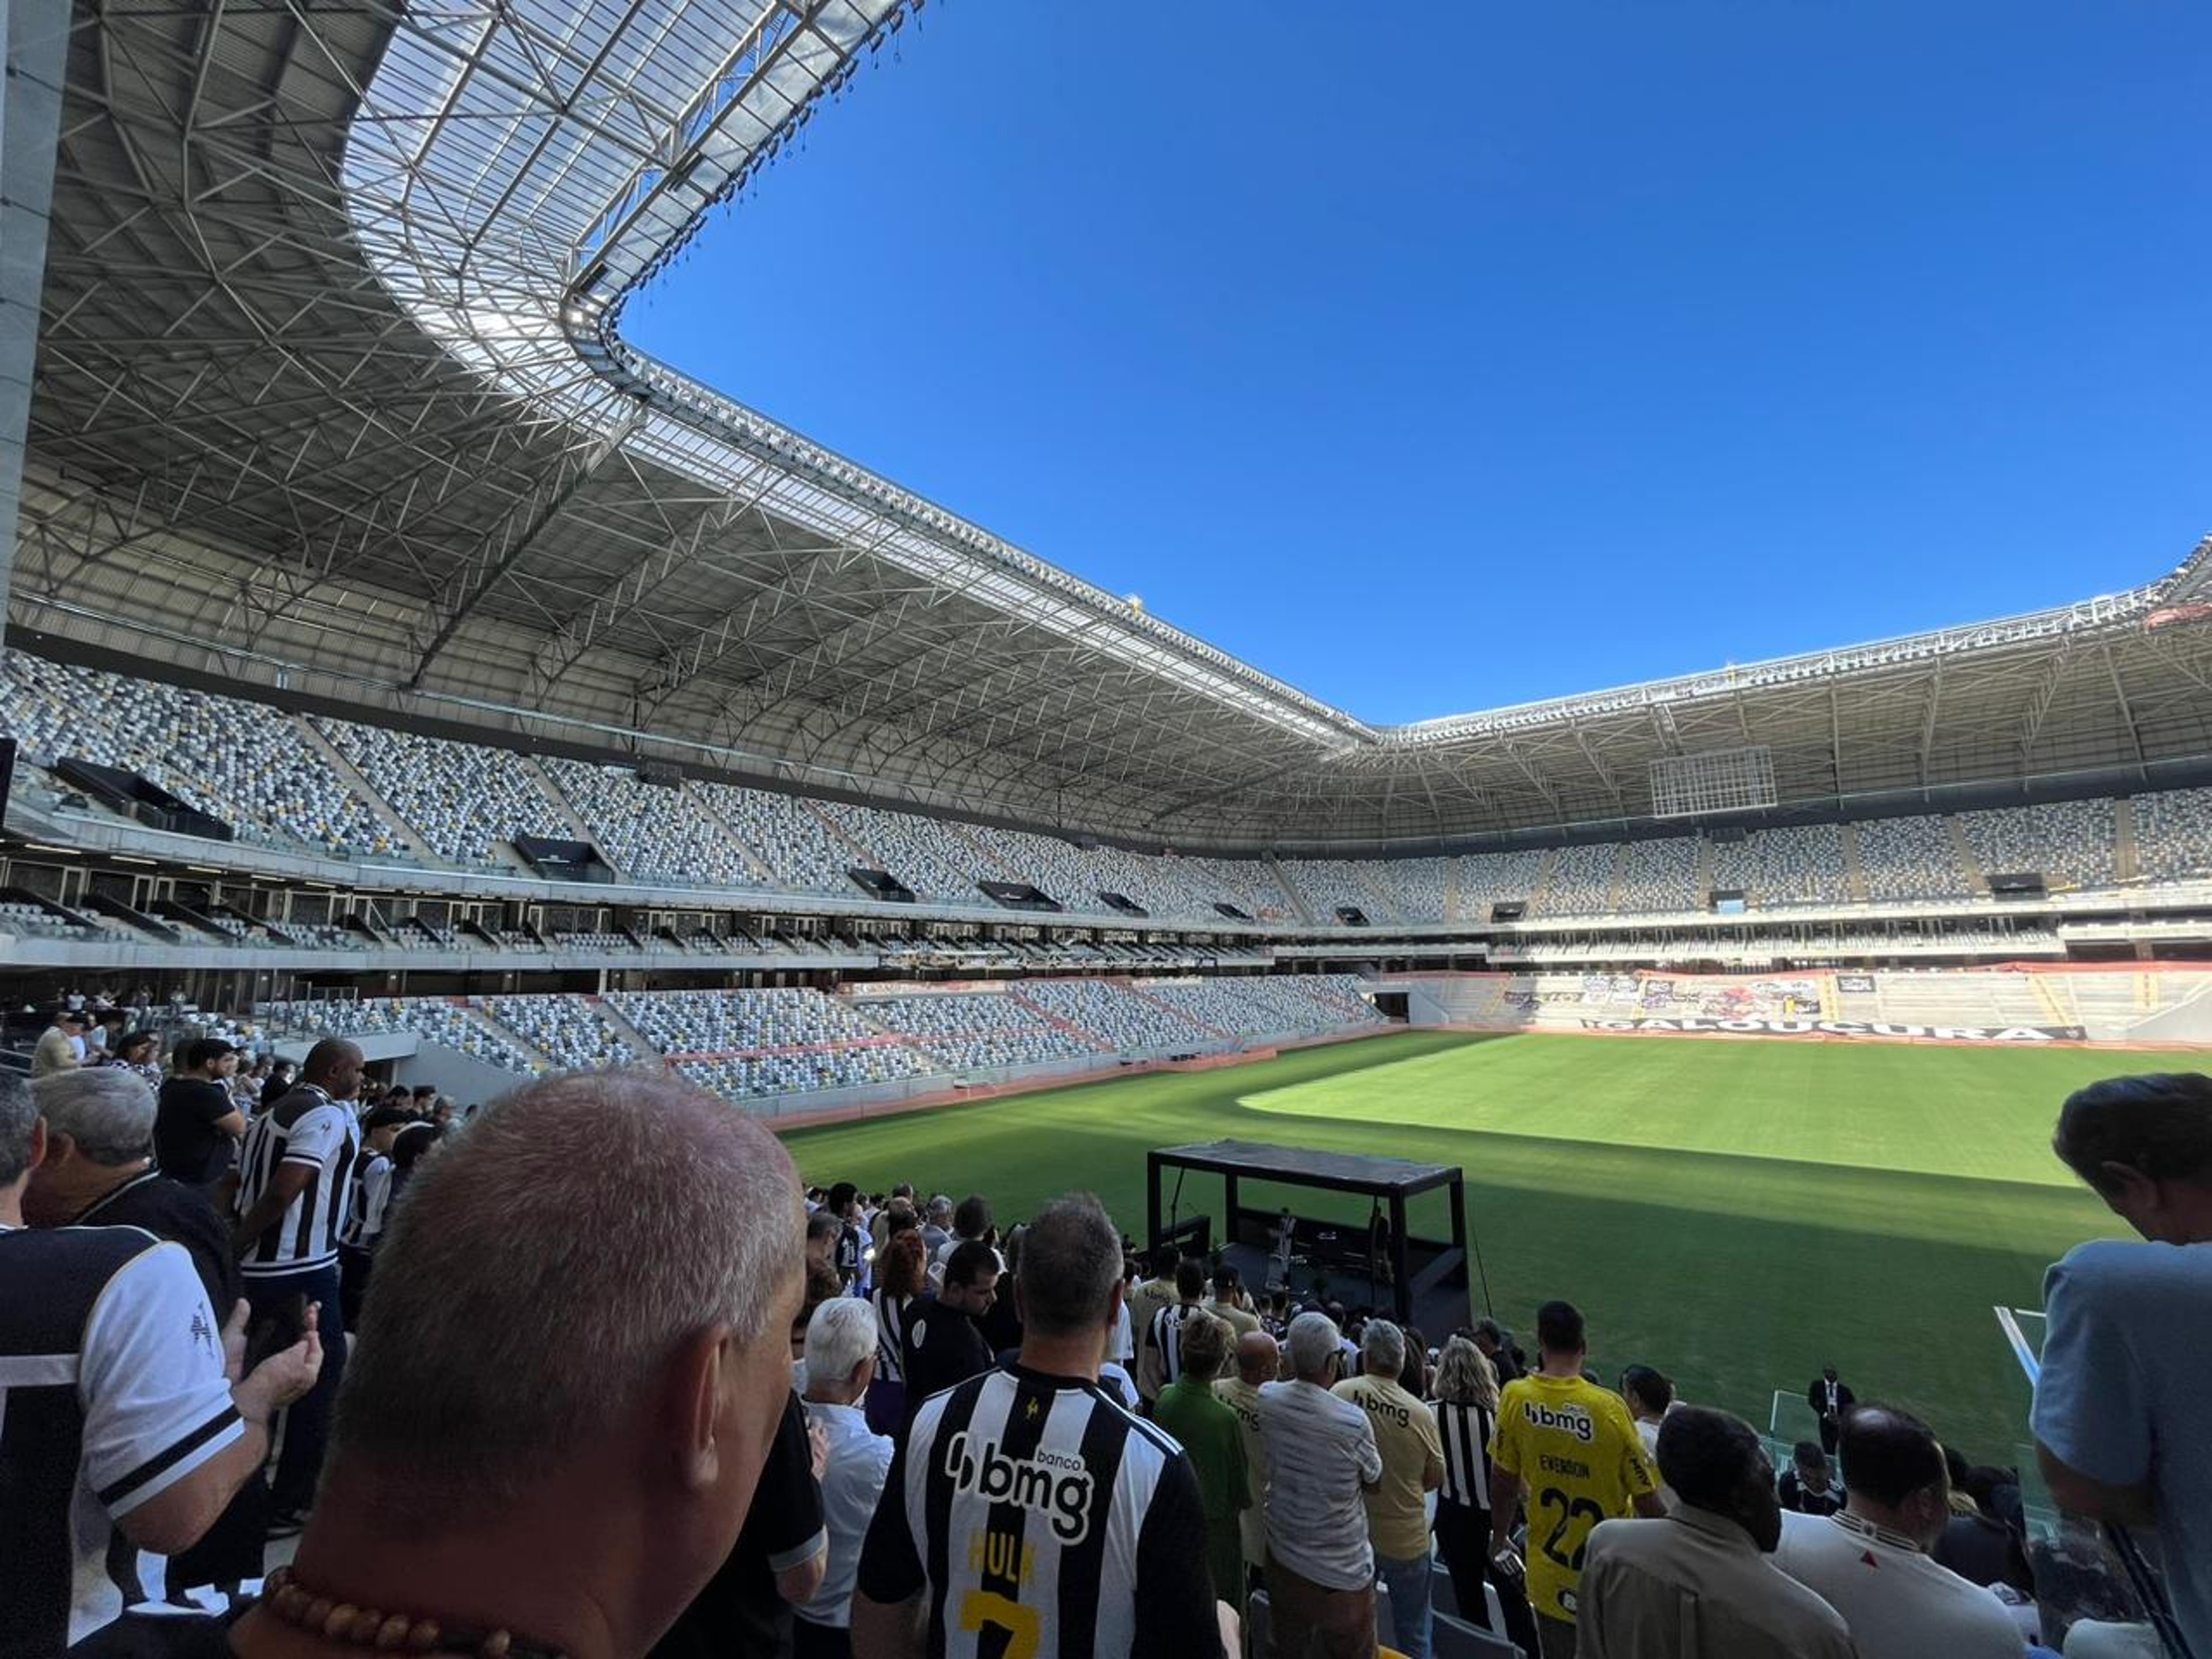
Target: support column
(37, 35)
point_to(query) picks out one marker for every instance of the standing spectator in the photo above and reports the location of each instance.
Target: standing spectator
(1152, 1292)
(937, 1226)
(849, 1253)
(841, 1362)
(139, 1053)
(573, 1487)
(125, 1411)
(1412, 1467)
(1258, 1363)
(1467, 1417)
(1570, 1447)
(1651, 1396)
(1229, 1304)
(95, 1173)
(899, 1279)
(1213, 1439)
(1869, 1560)
(1809, 1486)
(199, 1126)
(296, 1183)
(1322, 1456)
(971, 1224)
(943, 1344)
(1830, 1397)
(1162, 1360)
(363, 1226)
(1698, 1584)
(1028, 1513)
(1978, 1544)
(2120, 1425)
(60, 1047)
(1503, 1352)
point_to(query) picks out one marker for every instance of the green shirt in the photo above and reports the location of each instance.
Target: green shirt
(1213, 1438)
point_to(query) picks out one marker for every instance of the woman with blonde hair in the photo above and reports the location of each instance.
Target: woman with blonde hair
(1467, 1415)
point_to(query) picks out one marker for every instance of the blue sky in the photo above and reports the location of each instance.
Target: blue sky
(1572, 346)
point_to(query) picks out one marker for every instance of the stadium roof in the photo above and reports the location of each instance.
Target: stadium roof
(332, 396)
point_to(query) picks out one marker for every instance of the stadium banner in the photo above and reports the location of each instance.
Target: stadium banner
(1849, 1028)
(1863, 983)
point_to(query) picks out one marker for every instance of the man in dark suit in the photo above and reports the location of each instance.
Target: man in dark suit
(1829, 1399)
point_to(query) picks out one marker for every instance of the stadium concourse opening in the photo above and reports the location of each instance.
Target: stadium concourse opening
(1425, 1280)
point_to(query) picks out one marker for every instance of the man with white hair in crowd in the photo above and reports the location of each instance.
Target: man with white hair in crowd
(124, 1412)
(1321, 1457)
(499, 1484)
(852, 1458)
(1413, 1467)
(936, 1226)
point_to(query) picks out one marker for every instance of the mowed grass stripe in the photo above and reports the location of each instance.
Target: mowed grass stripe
(1735, 1213)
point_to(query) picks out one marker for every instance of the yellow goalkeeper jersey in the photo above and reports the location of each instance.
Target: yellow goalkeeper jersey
(1575, 1445)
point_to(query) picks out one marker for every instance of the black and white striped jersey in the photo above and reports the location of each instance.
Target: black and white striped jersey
(1465, 1430)
(1041, 1519)
(1167, 1338)
(306, 1127)
(112, 1391)
(890, 1334)
(372, 1191)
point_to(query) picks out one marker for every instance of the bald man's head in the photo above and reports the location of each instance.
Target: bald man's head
(334, 1066)
(1257, 1358)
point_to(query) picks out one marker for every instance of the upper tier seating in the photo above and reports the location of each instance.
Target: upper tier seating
(2173, 834)
(1802, 864)
(1582, 880)
(1488, 878)
(1661, 875)
(1330, 884)
(242, 763)
(653, 832)
(1909, 859)
(928, 855)
(785, 835)
(2071, 842)
(461, 798)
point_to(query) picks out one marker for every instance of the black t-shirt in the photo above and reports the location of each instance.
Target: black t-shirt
(184, 1215)
(943, 1348)
(186, 1144)
(739, 1612)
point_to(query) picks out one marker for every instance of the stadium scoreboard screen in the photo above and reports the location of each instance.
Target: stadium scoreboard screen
(1719, 780)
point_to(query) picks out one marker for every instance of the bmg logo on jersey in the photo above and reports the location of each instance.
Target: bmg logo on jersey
(1052, 1483)
(1572, 1420)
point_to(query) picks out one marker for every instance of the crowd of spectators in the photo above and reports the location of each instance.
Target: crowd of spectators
(868, 1383)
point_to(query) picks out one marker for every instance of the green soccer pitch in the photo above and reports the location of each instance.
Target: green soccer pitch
(1733, 1212)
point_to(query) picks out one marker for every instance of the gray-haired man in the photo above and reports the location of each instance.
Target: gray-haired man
(123, 1406)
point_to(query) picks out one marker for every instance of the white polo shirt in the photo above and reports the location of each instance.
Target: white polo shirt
(1321, 1455)
(1899, 1603)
